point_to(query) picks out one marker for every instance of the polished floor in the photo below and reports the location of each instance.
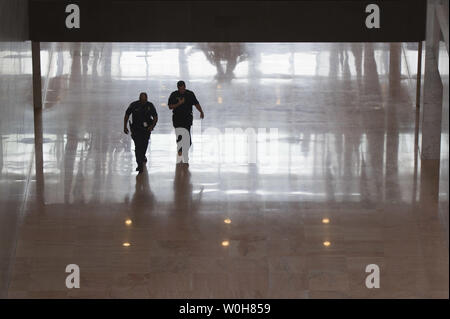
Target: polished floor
(330, 182)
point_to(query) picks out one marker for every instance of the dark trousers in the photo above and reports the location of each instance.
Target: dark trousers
(141, 144)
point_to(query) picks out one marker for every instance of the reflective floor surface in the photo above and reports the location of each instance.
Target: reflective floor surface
(304, 171)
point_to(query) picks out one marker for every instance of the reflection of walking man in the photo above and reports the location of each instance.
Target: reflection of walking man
(144, 121)
(180, 102)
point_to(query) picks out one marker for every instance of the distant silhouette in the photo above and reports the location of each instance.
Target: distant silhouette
(231, 53)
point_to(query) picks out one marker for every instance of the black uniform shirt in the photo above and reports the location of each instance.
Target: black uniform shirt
(182, 115)
(142, 114)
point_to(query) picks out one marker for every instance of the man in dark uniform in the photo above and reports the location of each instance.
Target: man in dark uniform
(180, 102)
(144, 121)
